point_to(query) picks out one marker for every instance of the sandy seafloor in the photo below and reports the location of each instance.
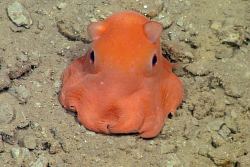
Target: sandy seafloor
(208, 39)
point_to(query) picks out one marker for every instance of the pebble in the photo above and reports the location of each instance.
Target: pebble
(19, 15)
(55, 148)
(226, 154)
(231, 37)
(231, 124)
(197, 69)
(23, 124)
(4, 80)
(215, 125)
(22, 58)
(224, 53)
(167, 148)
(166, 22)
(19, 69)
(2, 149)
(7, 113)
(224, 131)
(40, 162)
(29, 142)
(72, 31)
(153, 9)
(21, 93)
(233, 90)
(217, 140)
(8, 137)
(15, 152)
(179, 22)
(216, 25)
(61, 5)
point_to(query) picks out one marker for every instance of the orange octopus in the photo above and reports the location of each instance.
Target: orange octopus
(123, 84)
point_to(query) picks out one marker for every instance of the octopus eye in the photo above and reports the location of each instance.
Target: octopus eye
(154, 60)
(92, 56)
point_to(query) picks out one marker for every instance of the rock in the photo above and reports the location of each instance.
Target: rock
(224, 131)
(72, 31)
(197, 69)
(19, 69)
(22, 58)
(166, 22)
(244, 161)
(7, 113)
(23, 124)
(167, 148)
(40, 162)
(57, 85)
(19, 15)
(217, 140)
(61, 5)
(224, 53)
(29, 142)
(227, 154)
(231, 124)
(216, 25)
(179, 22)
(232, 36)
(2, 149)
(8, 137)
(4, 80)
(233, 90)
(152, 8)
(20, 154)
(215, 125)
(15, 152)
(21, 93)
(55, 148)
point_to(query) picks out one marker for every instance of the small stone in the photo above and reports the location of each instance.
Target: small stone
(22, 58)
(65, 146)
(40, 162)
(71, 30)
(15, 152)
(215, 125)
(244, 161)
(29, 142)
(55, 148)
(4, 80)
(40, 25)
(8, 137)
(153, 9)
(57, 85)
(227, 154)
(231, 37)
(215, 25)
(197, 69)
(19, 69)
(224, 131)
(61, 5)
(217, 140)
(2, 149)
(7, 113)
(168, 148)
(233, 90)
(24, 124)
(166, 22)
(21, 93)
(19, 15)
(204, 149)
(231, 124)
(224, 53)
(179, 22)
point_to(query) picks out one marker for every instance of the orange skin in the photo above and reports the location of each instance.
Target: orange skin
(117, 87)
